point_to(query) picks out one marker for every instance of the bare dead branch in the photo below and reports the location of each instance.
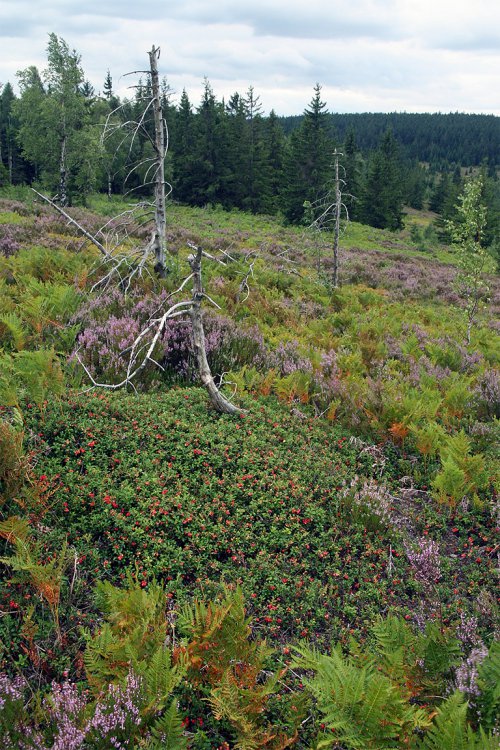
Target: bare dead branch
(219, 401)
(90, 237)
(244, 287)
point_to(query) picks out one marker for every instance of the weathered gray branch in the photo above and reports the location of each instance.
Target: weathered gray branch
(220, 403)
(90, 237)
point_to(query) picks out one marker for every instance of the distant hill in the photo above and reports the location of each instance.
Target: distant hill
(458, 138)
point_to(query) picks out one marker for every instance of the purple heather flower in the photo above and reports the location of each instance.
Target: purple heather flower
(424, 560)
(467, 673)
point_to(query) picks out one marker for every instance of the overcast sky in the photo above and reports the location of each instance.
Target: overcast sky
(368, 55)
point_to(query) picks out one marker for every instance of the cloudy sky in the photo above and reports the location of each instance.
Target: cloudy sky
(369, 55)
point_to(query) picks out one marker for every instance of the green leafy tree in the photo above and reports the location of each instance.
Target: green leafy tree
(467, 233)
(55, 132)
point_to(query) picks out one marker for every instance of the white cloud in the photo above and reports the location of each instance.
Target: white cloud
(369, 55)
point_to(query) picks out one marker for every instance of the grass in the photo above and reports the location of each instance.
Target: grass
(369, 428)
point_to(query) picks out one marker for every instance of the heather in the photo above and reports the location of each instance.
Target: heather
(172, 575)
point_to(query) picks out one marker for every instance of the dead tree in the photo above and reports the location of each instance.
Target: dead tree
(219, 401)
(153, 166)
(159, 243)
(122, 268)
(142, 350)
(328, 211)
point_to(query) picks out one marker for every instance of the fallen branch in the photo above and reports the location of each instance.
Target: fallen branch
(90, 237)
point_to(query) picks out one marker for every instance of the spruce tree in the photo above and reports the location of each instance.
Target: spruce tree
(274, 141)
(107, 88)
(307, 161)
(237, 183)
(210, 167)
(255, 151)
(382, 201)
(183, 151)
(352, 175)
(12, 165)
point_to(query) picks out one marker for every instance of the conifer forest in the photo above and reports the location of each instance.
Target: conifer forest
(249, 420)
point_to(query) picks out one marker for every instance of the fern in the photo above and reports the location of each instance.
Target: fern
(428, 437)
(221, 656)
(40, 372)
(488, 702)
(160, 678)
(440, 652)
(15, 468)
(361, 704)
(13, 325)
(295, 385)
(32, 375)
(35, 312)
(450, 730)
(133, 636)
(9, 390)
(46, 578)
(226, 703)
(219, 634)
(395, 646)
(167, 733)
(15, 529)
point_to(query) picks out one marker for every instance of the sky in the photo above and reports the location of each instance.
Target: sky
(368, 55)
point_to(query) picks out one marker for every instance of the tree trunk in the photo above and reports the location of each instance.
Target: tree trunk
(220, 403)
(63, 196)
(11, 164)
(338, 207)
(159, 238)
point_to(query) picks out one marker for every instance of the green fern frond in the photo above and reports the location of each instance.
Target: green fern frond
(489, 685)
(14, 528)
(167, 732)
(228, 702)
(364, 706)
(132, 636)
(61, 300)
(96, 657)
(440, 652)
(450, 731)
(160, 678)
(10, 391)
(39, 372)
(394, 640)
(13, 325)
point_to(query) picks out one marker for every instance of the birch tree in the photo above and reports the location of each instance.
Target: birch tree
(467, 233)
(55, 130)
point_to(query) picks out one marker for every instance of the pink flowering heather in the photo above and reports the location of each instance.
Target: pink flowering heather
(467, 673)
(11, 688)
(370, 497)
(425, 562)
(65, 706)
(118, 712)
